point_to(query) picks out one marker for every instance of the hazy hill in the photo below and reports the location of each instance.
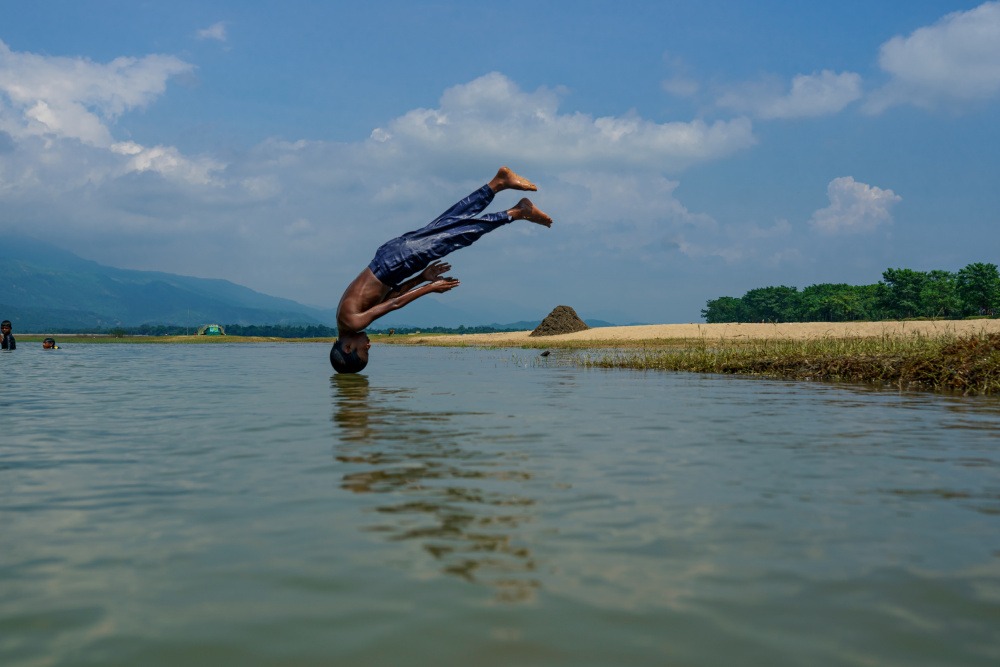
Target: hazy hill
(44, 287)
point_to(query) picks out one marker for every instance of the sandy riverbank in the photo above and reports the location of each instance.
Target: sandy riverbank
(786, 331)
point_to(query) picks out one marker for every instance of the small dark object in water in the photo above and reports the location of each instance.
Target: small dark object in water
(562, 320)
(545, 353)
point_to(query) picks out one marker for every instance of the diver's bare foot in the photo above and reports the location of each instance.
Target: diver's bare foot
(508, 180)
(525, 210)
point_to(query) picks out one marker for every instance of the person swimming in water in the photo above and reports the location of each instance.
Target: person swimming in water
(383, 286)
(7, 343)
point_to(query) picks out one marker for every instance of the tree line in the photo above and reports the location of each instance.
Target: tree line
(265, 330)
(320, 331)
(901, 294)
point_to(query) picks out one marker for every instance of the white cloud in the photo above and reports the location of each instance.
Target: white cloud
(73, 97)
(216, 31)
(167, 161)
(638, 218)
(954, 61)
(624, 213)
(681, 86)
(784, 257)
(736, 243)
(314, 211)
(69, 103)
(490, 118)
(814, 94)
(854, 208)
(780, 228)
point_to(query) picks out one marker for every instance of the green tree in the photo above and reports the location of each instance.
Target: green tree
(775, 304)
(829, 303)
(904, 287)
(870, 299)
(978, 286)
(939, 295)
(725, 309)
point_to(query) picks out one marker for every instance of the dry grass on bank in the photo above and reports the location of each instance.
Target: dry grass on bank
(969, 364)
(955, 356)
(946, 355)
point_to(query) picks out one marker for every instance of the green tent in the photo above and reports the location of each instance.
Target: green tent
(211, 330)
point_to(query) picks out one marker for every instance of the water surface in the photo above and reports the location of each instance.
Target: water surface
(235, 504)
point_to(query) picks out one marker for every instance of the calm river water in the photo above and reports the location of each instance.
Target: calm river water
(235, 505)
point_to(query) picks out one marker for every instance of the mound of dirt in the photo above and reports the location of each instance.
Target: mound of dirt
(562, 320)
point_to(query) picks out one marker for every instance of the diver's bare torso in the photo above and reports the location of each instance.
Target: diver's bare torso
(364, 292)
(367, 298)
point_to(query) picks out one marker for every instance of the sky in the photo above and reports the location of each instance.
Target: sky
(685, 150)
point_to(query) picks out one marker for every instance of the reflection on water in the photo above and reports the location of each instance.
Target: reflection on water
(231, 504)
(459, 501)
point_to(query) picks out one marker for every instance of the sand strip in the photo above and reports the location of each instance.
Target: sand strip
(787, 331)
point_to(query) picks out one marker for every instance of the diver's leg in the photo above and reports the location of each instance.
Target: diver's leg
(456, 228)
(508, 180)
(468, 207)
(525, 210)
(477, 202)
(403, 256)
(429, 244)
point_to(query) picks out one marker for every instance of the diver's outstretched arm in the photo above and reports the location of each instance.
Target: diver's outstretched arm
(428, 275)
(360, 321)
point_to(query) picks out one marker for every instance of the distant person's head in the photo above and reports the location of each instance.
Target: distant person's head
(49, 344)
(350, 353)
(5, 327)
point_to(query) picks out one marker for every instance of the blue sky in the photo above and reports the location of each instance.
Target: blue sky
(686, 150)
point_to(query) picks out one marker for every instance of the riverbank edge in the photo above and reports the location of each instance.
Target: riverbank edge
(969, 365)
(965, 363)
(946, 361)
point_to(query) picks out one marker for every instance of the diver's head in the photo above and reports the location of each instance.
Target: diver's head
(49, 344)
(350, 353)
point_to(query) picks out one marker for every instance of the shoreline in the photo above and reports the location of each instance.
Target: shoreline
(960, 356)
(103, 339)
(955, 355)
(644, 335)
(673, 335)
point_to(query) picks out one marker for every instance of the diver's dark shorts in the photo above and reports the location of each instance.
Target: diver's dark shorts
(456, 228)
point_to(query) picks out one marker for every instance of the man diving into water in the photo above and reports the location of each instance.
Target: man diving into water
(382, 287)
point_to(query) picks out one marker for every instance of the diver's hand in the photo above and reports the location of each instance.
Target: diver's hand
(442, 285)
(435, 271)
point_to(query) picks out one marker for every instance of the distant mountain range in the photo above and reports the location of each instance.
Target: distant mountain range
(43, 287)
